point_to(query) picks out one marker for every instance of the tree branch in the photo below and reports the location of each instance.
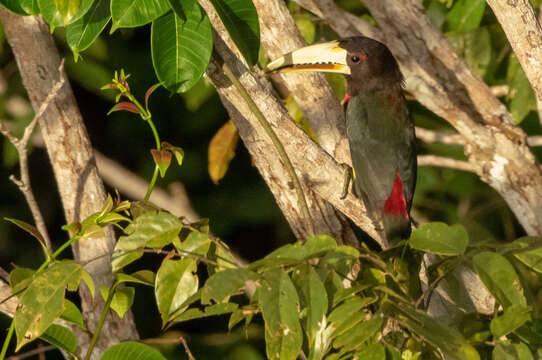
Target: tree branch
(81, 190)
(434, 160)
(439, 78)
(326, 220)
(23, 183)
(519, 22)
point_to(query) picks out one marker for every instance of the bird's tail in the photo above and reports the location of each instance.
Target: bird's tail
(396, 228)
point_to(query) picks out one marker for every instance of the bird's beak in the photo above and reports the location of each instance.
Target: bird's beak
(326, 57)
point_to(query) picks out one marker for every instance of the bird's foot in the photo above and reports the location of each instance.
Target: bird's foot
(347, 179)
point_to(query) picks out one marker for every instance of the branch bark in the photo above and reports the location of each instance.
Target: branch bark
(325, 218)
(439, 78)
(519, 22)
(81, 190)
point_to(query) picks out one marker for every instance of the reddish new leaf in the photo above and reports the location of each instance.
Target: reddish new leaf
(125, 106)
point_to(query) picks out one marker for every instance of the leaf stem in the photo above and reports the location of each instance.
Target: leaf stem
(7, 339)
(302, 201)
(152, 183)
(105, 310)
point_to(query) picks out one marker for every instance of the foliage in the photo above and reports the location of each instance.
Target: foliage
(318, 298)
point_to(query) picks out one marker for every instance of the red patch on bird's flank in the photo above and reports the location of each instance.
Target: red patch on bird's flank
(396, 203)
(346, 99)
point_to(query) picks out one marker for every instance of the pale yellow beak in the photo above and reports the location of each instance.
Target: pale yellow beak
(325, 57)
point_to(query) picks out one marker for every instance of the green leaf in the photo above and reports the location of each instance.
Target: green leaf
(294, 253)
(134, 13)
(31, 229)
(313, 298)
(175, 283)
(14, 6)
(213, 310)
(145, 277)
(150, 229)
(223, 284)
(87, 279)
(509, 351)
(118, 261)
(474, 46)
(465, 15)
(61, 337)
(531, 258)
(72, 314)
(196, 243)
(175, 150)
(31, 7)
(122, 301)
(441, 239)
(19, 278)
(180, 7)
(132, 350)
(279, 304)
(374, 351)
(63, 12)
(82, 33)
(241, 20)
(500, 278)
(521, 98)
(221, 151)
(43, 300)
(181, 50)
(348, 314)
(355, 337)
(512, 318)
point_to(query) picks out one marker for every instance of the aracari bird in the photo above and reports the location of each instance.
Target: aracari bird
(379, 129)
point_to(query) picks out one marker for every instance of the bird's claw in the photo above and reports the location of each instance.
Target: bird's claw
(346, 182)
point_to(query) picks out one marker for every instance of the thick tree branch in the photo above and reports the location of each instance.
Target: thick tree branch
(324, 217)
(69, 150)
(438, 77)
(519, 22)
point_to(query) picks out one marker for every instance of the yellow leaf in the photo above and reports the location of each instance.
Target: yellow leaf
(222, 150)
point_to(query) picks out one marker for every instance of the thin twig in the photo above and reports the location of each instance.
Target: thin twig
(4, 275)
(183, 341)
(21, 145)
(433, 160)
(430, 136)
(38, 351)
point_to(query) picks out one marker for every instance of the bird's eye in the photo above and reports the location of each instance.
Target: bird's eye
(355, 58)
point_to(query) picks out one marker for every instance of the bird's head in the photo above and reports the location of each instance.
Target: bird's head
(367, 63)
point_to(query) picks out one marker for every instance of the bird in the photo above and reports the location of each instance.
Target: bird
(379, 128)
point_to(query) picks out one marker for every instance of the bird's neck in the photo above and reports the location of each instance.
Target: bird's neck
(389, 96)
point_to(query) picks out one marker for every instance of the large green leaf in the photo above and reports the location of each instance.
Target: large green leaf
(500, 278)
(241, 20)
(509, 351)
(439, 238)
(63, 12)
(313, 298)
(72, 314)
(132, 350)
(213, 310)
(82, 33)
(279, 304)
(29, 6)
(374, 351)
(196, 243)
(355, 337)
(181, 50)
(521, 98)
(60, 337)
(531, 258)
(122, 301)
(175, 283)
(133, 13)
(224, 284)
(512, 318)
(14, 6)
(465, 15)
(294, 253)
(150, 229)
(43, 300)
